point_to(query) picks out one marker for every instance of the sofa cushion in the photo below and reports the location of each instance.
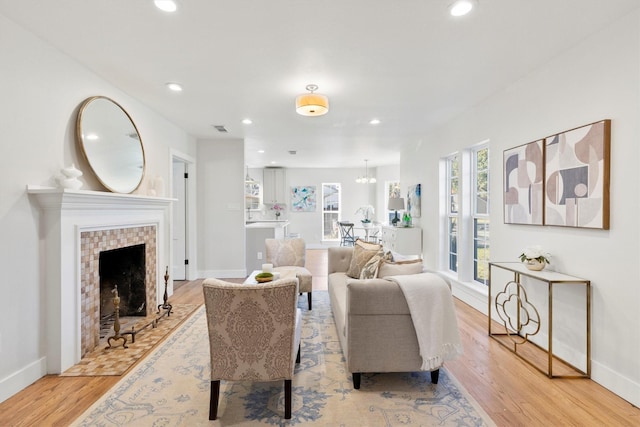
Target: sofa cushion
(370, 269)
(362, 253)
(399, 268)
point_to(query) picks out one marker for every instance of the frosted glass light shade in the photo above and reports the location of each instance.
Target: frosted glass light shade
(312, 104)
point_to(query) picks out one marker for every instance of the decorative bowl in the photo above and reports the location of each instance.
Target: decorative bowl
(264, 277)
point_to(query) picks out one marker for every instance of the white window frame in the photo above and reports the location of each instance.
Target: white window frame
(338, 212)
(466, 215)
(479, 264)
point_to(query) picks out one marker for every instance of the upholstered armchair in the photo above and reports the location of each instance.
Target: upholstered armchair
(254, 334)
(288, 257)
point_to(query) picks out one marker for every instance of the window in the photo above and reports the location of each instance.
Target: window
(466, 214)
(453, 185)
(481, 214)
(330, 211)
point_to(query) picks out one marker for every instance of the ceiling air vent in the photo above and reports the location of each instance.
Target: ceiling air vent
(293, 152)
(221, 128)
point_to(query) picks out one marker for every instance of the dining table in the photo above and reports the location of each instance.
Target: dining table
(370, 230)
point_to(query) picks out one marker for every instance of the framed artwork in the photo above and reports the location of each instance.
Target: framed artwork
(523, 195)
(577, 177)
(413, 200)
(303, 199)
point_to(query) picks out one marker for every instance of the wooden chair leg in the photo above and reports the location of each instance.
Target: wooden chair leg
(435, 375)
(287, 399)
(309, 299)
(213, 400)
(356, 380)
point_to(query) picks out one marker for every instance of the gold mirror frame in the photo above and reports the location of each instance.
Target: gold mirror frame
(110, 142)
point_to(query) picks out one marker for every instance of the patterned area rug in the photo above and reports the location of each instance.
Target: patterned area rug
(117, 359)
(171, 388)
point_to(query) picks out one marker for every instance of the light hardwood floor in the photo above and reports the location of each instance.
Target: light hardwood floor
(508, 389)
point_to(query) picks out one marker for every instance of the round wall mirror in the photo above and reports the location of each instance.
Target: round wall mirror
(110, 142)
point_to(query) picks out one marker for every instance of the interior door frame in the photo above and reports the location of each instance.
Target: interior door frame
(190, 215)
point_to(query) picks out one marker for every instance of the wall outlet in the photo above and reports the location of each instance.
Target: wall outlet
(259, 255)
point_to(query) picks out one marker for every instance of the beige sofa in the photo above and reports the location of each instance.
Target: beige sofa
(373, 321)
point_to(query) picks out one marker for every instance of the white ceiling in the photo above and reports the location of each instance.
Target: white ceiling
(405, 62)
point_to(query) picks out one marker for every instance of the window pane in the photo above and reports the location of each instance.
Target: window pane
(330, 211)
(453, 244)
(330, 197)
(330, 226)
(482, 204)
(481, 250)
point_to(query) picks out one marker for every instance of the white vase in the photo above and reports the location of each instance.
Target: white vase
(534, 264)
(70, 178)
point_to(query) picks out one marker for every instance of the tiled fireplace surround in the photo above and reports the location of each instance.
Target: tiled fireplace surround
(70, 268)
(91, 244)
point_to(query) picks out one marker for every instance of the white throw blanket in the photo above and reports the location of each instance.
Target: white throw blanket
(434, 319)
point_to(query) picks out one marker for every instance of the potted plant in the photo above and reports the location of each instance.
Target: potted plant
(278, 208)
(367, 212)
(535, 258)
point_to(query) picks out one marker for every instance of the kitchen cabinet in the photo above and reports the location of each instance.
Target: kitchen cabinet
(274, 185)
(404, 240)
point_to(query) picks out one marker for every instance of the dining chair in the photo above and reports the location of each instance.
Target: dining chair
(254, 334)
(347, 237)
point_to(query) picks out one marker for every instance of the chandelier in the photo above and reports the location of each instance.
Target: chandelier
(366, 179)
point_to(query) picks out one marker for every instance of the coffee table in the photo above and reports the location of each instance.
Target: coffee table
(251, 279)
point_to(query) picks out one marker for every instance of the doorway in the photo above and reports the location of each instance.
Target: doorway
(180, 192)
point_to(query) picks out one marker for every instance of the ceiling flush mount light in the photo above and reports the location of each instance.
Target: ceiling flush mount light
(166, 5)
(312, 104)
(462, 7)
(366, 179)
(247, 121)
(174, 87)
(374, 122)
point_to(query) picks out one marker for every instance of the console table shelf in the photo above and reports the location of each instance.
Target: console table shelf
(520, 324)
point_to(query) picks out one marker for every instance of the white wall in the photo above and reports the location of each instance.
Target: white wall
(41, 91)
(220, 181)
(597, 79)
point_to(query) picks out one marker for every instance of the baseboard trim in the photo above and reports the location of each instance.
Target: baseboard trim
(473, 295)
(23, 378)
(616, 383)
(222, 274)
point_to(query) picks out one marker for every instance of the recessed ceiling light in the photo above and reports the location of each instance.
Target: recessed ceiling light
(374, 122)
(261, 151)
(166, 5)
(273, 162)
(175, 87)
(461, 7)
(247, 121)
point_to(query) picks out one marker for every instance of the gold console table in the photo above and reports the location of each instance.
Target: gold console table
(524, 321)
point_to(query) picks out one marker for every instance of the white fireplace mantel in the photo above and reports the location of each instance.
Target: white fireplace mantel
(67, 213)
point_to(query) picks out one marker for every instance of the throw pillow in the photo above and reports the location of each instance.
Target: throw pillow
(370, 269)
(400, 268)
(362, 253)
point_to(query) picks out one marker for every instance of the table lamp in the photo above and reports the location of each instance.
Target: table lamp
(395, 204)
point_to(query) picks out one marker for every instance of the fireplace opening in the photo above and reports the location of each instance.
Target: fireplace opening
(124, 268)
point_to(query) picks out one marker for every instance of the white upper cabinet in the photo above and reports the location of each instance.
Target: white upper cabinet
(274, 185)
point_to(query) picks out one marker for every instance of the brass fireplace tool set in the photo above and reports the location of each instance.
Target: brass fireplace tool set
(163, 309)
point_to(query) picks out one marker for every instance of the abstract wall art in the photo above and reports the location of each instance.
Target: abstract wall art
(523, 184)
(413, 200)
(303, 199)
(577, 177)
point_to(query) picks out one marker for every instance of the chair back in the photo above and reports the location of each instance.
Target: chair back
(347, 237)
(285, 252)
(252, 329)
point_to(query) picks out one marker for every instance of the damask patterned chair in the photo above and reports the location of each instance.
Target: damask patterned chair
(254, 334)
(288, 257)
